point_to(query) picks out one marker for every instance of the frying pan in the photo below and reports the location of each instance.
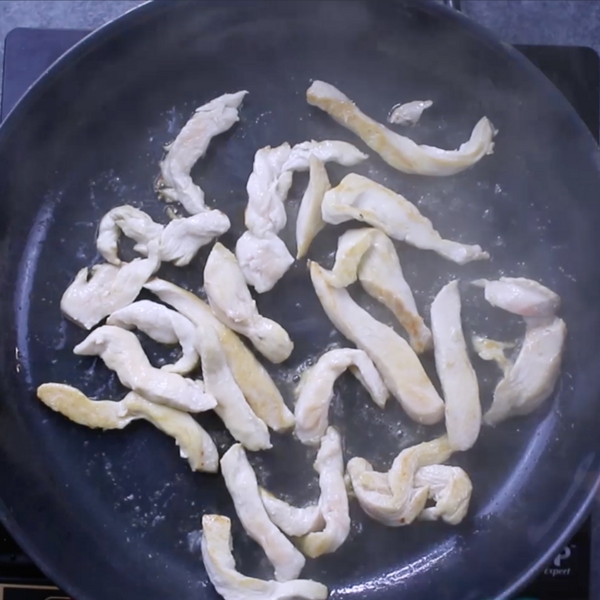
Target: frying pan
(117, 514)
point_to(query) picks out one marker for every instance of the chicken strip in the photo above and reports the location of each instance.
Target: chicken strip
(121, 352)
(315, 390)
(182, 238)
(243, 487)
(409, 113)
(492, 350)
(178, 242)
(262, 256)
(164, 326)
(231, 302)
(333, 502)
(263, 260)
(194, 442)
(399, 366)
(259, 389)
(232, 407)
(342, 153)
(268, 187)
(293, 521)
(393, 498)
(370, 256)
(530, 379)
(457, 376)
(99, 291)
(398, 151)
(133, 223)
(310, 221)
(360, 198)
(231, 584)
(450, 488)
(211, 119)
(520, 296)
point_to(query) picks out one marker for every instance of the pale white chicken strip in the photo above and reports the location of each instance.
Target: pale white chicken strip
(457, 376)
(393, 498)
(194, 442)
(315, 390)
(310, 221)
(360, 198)
(450, 488)
(343, 153)
(399, 151)
(243, 487)
(263, 260)
(133, 223)
(520, 296)
(408, 113)
(99, 291)
(232, 407)
(164, 326)
(121, 352)
(178, 242)
(492, 350)
(231, 302)
(209, 120)
(333, 501)
(531, 379)
(259, 389)
(268, 187)
(293, 521)
(395, 360)
(370, 256)
(182, 238)
(231, 584)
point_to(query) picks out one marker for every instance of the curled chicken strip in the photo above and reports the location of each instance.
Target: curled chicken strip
(530, 379)
(231, 584)
(211, 119)
(164, 326)
(194, 442)
(450, 488)
(408, 113)
(393, 498)
(293, 521)
(99, 291)
(315, 390)
(370, 256)
(333, 502)
(395, 360)
(133, 223)
(121, 352)
(232, 304)
(360, 198)
(457, 376)
(310, 221)
(398, 151)
(243, 487)
(232, 407)
(178, 242)
(259, 389)
(263, 260)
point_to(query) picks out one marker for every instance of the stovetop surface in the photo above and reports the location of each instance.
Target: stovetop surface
(574, 70)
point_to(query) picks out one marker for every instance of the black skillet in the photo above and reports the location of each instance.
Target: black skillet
(116, 515)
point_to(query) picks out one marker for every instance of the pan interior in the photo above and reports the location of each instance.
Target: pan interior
(90, 137)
